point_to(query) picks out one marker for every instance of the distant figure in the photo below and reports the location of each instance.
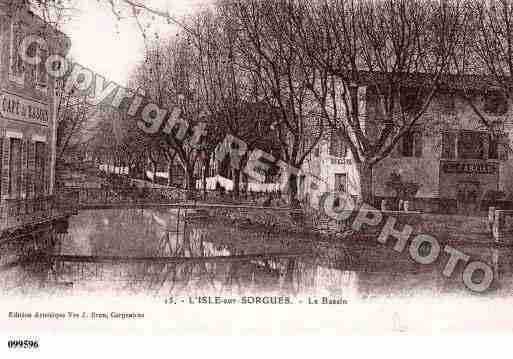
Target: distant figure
(220, 189)
(268, 201)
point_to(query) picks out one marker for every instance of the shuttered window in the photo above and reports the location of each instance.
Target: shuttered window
(417, 144)
(340, 182)
(29, 172)
(495, 103)
(15, 168)
(1, 160)
(337, 146)
(412, 144)
(5, 167)
(40, 169)
(41, 74)
(471, 145)
(449, 145)
(22, 72)
(17, 64)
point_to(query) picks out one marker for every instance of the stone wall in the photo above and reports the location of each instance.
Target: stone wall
(283, 220)
(305, 222)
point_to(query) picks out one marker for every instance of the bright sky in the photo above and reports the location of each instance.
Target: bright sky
(112, 48)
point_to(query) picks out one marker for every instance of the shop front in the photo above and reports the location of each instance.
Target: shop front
(464, 183)
(28, 124)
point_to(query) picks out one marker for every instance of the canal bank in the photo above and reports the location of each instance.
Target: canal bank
(314, 224)
(173, 256)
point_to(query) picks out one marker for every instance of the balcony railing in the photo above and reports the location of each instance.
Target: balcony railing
(91, 196)
(84, 197)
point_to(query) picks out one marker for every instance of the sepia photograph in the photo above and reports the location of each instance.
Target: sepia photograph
(255, 167)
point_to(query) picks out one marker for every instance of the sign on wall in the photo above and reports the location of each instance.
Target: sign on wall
(340, 161)
(18, 108)
(470, 168)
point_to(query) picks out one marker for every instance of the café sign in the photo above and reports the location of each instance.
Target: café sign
(340, 161)
(469, 168)
(18, 108)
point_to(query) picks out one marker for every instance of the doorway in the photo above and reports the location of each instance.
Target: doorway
(468, 194)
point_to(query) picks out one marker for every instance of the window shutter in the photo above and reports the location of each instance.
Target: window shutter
(448, 145)
(503, 150)
(23, 169)
(38, 174)
(5, 167)
(42, 77)
(418, 143)
(334, 145)
(344, 150)
(32, 69)
(31, 172)
(17, 64)
(1, 162)
(14, 56)
(46, 171)
(15, 167)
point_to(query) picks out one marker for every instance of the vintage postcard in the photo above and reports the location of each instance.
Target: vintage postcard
(265, 167)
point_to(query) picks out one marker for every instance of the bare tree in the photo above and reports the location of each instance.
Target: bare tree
(170, 78)
(397, 50)
(74, 118)
(281, 77)
(231, 101)
(57, 12)
(485, 52)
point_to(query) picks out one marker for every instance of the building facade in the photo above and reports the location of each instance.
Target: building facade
(455, 160)
(28, 121)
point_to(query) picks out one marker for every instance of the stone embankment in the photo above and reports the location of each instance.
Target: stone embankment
(446, 228)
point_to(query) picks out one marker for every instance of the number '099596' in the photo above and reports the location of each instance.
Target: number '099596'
(23, 344)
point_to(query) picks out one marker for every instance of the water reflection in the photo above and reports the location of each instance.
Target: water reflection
(162, 253)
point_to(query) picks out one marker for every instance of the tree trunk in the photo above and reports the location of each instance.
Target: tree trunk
(189, 184)
(292, 188)
(365, 194)
(154, 179)
(206, 171)
(245, 183)
(236, 182)
(145, 169)
(170, 173)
